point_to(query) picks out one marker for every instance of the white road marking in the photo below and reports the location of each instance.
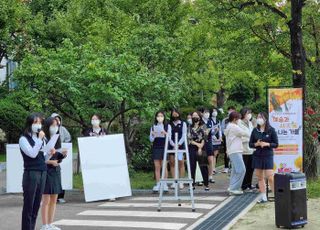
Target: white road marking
(122, 224)
(187, 215)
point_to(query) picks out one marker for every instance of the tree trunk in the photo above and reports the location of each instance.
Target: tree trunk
(220, 97)
(126, 132)
(297, 51)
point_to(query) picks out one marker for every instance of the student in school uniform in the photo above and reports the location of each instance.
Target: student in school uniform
(216, 136)
(53, 182)
(96, 129)
(196, 139)
(65, 137)
(158, 132)
(208, 141)
(180, 127)
(35, 169)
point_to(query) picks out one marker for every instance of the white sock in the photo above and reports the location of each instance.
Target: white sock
(210, 177)
(264, 196)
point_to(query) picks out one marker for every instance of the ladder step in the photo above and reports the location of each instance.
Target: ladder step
(187, 180)
(179, 151)
(176, 198)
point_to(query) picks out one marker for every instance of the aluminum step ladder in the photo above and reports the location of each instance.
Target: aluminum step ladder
(177, 179)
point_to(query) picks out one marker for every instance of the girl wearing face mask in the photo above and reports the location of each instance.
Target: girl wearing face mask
(246, 125)
(196, 136)
(189, 120)
(96, 129)
(158, 132)
(53, 183)
(180, 127)
(216, 134)
(35, 169)
(208, 141)
(263, 139)
(234, 135)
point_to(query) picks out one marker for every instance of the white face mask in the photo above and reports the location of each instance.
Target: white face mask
(249, 116)
(206, 115)
(53, 129)
(260, 121)
(189, 121)
(95, 123)
(36, 128)
(160, 119)
(214, 114)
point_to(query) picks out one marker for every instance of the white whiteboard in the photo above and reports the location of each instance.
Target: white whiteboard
(15, 168)
(104, 167)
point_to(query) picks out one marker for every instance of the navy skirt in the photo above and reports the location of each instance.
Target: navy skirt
(262, 162)
(53, 183)
(157, 153)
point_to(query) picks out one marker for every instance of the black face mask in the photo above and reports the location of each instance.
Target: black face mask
(195, 120)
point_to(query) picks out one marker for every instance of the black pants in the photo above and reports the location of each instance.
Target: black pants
(33, 186)
(226, 158)
(247, 181)
(61, 195)
(193, 153)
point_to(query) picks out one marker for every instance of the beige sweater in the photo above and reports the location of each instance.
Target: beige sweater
(247, 127)
(234, 135)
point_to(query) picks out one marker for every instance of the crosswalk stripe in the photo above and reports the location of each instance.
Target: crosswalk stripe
(154, 205)
(205, 198)
(187, 215)
(122, 224)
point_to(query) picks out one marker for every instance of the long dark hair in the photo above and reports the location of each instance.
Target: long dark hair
(244, 111)
(46, 129)
(155, 117)
(174, 110)
(29, 121)
(267, 123)
(200, 119)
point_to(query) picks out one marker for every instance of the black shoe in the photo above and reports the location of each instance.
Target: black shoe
(212, 181)
(206, 188)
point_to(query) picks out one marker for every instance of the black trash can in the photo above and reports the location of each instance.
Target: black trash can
(290, 200)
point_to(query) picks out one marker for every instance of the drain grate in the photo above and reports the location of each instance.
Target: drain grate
(226, 214)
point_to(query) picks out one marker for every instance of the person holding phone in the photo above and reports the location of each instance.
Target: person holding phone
(35, 169)
(53, 185)
(263, 139)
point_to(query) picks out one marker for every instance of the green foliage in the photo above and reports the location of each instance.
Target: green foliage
(12, 119)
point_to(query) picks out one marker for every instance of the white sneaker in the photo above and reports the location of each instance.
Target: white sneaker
(235, 192)
(45, 227)
(62, 201)
(165, 187)
(181, 186)
(173, 186)
(226, 170)
(53, 227)
(156, 188)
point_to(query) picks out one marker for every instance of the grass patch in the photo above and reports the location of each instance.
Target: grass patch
(139, 180)
(142, 180)
(313, 188)
(3, 157)
(77, 181)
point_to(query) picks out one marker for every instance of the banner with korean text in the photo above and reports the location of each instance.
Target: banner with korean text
(286, 116)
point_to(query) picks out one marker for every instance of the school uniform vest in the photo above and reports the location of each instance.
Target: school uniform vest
(176, 129)
(33, 164)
